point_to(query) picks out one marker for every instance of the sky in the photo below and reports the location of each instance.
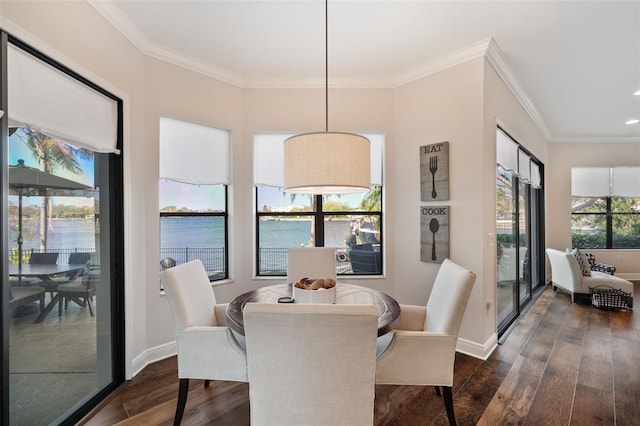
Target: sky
(18, 150)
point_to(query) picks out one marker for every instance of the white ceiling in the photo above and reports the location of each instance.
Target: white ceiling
(573, 64)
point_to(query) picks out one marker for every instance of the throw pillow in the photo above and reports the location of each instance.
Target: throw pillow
(592, 260)
(582, 262)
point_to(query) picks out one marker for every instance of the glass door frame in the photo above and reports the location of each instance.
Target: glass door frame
(116, 239)
(535, 235)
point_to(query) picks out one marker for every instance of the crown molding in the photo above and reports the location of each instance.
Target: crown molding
(607, 140)
(442, 63)
(130, 31)
(496, 59)
(487, 48)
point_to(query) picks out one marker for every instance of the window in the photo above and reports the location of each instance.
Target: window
(193, 195)
(352, 223)
(605, 207)
(606, 222)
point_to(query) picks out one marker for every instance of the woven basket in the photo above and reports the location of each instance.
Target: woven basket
(606, 297)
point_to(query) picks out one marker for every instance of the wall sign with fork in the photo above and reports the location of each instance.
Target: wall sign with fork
(434, 172)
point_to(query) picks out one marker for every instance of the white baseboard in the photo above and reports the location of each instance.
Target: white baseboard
(153, 355)
(477, 350)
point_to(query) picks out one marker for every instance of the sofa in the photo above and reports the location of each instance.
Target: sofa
(567, 274)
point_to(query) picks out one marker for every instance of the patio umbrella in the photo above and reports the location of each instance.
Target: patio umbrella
(29, 181)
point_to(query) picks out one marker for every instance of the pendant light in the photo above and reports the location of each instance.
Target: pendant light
(327, 162)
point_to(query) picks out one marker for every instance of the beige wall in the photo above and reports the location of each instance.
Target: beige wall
(446, 106)
(501, 107)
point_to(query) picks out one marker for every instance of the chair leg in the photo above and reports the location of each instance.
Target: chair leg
(89, 304)
(437, 388)
(182, 401)
(448, 404)
(206, 383)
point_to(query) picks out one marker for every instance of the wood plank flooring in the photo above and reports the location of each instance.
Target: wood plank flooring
(561, 364)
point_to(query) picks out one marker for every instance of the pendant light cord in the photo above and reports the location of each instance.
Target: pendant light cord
(326, 65)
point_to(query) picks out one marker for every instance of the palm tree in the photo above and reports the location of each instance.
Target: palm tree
(51, 155)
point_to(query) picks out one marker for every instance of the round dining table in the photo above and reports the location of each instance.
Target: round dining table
(388, 308)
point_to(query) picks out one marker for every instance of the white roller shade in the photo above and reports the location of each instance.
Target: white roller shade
(625, 182)
(536, 180)
(377, 148)
(506, 152)
(193, 153)
(524, 166)
(590, 181)
(268, 161)
(57, 105)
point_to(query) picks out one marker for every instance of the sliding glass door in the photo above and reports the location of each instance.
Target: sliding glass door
(62, 319)
(519, 230)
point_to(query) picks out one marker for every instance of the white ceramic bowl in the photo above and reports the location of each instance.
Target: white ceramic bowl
(314, 296)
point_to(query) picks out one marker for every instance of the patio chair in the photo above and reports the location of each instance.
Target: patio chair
(81, 290)
(51, 284)
(167, 263)
(43, 258)
(20, 296)
(365, 260)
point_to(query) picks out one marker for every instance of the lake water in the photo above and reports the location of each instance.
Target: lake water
(192, 232)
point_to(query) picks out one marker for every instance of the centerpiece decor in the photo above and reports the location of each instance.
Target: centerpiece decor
(312, 290)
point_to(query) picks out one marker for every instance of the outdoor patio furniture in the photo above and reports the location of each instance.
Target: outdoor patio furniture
(19, 296)
(365, 259)
(81, 290)
(43, 258)
(167, 263)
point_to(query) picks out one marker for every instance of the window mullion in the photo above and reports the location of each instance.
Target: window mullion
(319, 222)
(609, 225)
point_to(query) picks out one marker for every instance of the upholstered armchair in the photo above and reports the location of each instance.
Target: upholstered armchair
(568, 274)
(423, 348)
(311, 364)
(207, 348)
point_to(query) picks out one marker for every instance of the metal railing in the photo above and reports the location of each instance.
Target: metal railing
(212, 258)
(63, 255)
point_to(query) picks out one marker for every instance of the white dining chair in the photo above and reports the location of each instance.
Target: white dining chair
(207, 348)
(311, 262)
(311, 364)
(423, 348)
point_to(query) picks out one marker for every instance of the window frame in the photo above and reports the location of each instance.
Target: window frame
(609, 215)
(225, 215)
(318, 216)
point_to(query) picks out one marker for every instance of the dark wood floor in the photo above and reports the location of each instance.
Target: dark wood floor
(561, 364)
